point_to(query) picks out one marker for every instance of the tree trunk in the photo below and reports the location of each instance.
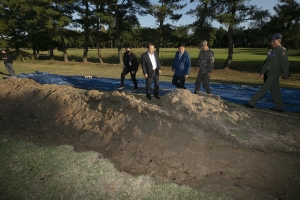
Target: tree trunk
(161, 22)
(118, 35)
(51, 54)
(17, 51)
(202, 21)
(98, 39)
(37, 54)
(99, 55)
(33, 53)
(87, 33)
(230, 48)
(64, 49)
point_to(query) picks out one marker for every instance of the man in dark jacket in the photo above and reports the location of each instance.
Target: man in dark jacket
(205, 63)
(7, 59)
(181, 66)
(277, 61)
(151, 70)
(131, 65)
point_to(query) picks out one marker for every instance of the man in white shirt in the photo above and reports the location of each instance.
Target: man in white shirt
(151, 70)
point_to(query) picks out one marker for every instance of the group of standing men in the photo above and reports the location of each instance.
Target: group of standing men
(276, 62)
(181, 67)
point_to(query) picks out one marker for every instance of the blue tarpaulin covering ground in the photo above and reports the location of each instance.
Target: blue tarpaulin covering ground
(234, 93)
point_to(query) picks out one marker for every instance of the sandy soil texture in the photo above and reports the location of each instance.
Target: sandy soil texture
(198, 140)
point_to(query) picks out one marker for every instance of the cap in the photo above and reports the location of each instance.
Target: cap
(202, 44)
(276, 36)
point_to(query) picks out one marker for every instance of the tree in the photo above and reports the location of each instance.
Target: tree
(287, 21)
(126, 9)
(162, 11)
(61, 20)
(102, 18)
(14, 27)
(84, 12)
(221, 38)
(231, 14)
(205, 12)
(147, 34)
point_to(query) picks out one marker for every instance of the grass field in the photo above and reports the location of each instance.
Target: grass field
(244, 69)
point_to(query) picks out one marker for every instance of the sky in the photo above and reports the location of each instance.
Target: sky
(150, 21)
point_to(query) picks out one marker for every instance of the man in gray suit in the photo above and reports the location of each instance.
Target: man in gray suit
(151, 70)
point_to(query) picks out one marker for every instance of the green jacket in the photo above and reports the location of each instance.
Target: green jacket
(277, 61)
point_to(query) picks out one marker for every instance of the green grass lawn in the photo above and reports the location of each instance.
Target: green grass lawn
(244, 69)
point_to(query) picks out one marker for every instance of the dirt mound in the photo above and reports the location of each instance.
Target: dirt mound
(197, 140)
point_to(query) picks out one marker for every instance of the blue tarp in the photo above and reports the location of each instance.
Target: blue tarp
(234, 93)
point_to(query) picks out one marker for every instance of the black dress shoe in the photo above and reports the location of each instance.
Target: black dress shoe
(148, 96)
(273, 109)
(248, 105)
(156, 96)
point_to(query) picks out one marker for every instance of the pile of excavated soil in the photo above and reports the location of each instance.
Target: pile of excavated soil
(198, 140)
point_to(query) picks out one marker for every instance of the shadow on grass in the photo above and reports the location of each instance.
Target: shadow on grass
(212, 80)
(4, 73)
(242, 66)
(73, 58)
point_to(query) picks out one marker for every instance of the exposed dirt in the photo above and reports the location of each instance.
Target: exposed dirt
(198, 140)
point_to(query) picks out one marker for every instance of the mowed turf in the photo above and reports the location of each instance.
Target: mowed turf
(244, 69)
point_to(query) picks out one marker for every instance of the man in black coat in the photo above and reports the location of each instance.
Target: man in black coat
(131, 65)
(151, 70)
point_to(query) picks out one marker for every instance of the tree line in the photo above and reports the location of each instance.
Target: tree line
(62, 24)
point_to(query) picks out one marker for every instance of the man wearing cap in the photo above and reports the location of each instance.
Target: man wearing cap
(205, 63)
(131, 65)
(181, 66)
(277, 61)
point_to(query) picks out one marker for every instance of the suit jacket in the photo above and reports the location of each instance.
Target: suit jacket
(131, 58)
(147, 65)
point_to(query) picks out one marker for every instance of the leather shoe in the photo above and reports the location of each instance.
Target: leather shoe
(273, 109)
(248, 105)
(148, 96)
(156, 96)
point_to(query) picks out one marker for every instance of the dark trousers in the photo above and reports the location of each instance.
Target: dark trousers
(10, 69)
(272, 84)
(202, 78)
(178, 81)
(125, 72)
(154, 77)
